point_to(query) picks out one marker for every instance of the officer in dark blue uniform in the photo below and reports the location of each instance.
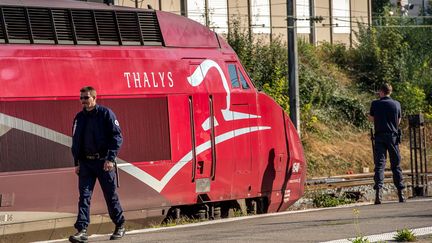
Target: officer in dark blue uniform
(386, 115)
(95, 144)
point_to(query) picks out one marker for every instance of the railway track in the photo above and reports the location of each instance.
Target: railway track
(352, 180)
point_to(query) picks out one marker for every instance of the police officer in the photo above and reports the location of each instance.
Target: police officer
(385, 113)
(95, 144)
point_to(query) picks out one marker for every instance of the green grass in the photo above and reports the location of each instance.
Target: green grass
(174, 222)
(323, 200)
(405, 235)
(238, 213)
(359, 239)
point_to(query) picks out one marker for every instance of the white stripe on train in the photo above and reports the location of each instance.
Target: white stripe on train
(158, 185)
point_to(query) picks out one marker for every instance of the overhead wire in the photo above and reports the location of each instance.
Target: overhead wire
(305, 18)
(284, 4)
(262, 5)
(353, 20)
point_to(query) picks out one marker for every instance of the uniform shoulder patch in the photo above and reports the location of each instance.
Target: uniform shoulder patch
(117, 123)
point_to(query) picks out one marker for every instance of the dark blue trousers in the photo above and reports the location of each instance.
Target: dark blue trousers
(90, 170)
(387, 143)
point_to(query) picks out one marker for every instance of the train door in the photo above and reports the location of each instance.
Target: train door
(242, 101)
(202, 130)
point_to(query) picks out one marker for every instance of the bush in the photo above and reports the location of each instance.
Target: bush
(397, 55)
(277, 90)
(265, 62)
(336, 53)
(405, 235)
(413, 98)
(360, 239)
(323, 200)
(319, 88)
(351, 110)
(267, 65)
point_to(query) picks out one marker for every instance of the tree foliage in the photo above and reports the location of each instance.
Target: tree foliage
(321, 98)
(378, 6)
(398, 52)
(265, 61)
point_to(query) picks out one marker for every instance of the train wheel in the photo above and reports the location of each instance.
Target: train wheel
(173, 215)
(217, 213)
(201, 213)
(177, 215)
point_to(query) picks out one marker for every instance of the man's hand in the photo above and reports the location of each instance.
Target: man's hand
(77, 170)
(108, 165)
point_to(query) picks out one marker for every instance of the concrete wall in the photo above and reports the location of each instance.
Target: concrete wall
(278, 18)
(172, 6)
(360, 16)
(238, 10)
(166, 5)
(323, 30)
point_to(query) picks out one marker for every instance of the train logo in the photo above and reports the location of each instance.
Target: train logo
(198, 77)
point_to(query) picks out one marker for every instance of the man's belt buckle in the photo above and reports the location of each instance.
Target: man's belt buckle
(93, 156)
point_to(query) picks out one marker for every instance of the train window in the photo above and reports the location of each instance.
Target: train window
(245, 85)
(233, 75)
(41, 143)
(146, 137)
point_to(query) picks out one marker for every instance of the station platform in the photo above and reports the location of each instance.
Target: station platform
(376, 222)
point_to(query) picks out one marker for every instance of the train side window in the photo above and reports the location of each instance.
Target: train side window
(24, 151)
(233, 75)
(245, 85)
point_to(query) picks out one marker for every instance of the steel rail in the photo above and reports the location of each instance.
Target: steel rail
(342, 181)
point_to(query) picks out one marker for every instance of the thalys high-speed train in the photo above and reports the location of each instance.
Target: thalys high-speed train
(199, 139)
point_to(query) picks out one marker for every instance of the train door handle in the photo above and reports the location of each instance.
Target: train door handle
(200, 166)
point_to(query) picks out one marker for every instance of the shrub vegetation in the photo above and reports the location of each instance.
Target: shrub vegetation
(405, 235)
(337, 83)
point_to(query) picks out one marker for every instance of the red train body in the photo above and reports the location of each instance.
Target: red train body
(196, 131)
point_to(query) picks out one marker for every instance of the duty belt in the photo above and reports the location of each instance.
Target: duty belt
(92, 156)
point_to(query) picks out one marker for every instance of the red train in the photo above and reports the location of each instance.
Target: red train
(199, 139)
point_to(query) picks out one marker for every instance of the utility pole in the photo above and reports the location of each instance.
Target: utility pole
(206, 13)
(312, 36)
(293, 66)
(249, 19)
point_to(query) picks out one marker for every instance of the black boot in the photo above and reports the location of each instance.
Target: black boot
(378, 196)
(401, 196)
(80, 237)
(119, 232)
